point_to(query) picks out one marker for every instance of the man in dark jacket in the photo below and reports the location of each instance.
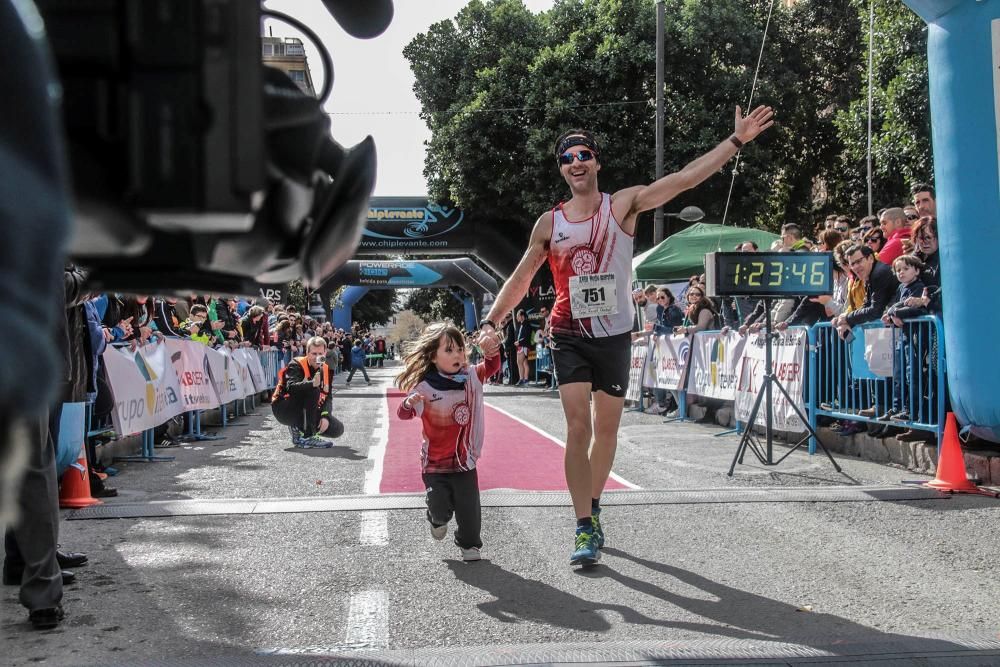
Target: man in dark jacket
(303, 398)
(880, 288)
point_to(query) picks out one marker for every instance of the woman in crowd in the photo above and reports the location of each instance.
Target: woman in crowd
(523, 347)
(700, 314)
(875, 240)
(925, 238)
(668, 314)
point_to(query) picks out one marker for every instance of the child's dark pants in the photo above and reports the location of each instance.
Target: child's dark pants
(455, 493)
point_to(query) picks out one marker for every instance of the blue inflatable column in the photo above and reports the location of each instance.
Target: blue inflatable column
(342, 311)
(963, 53)
(471, 321)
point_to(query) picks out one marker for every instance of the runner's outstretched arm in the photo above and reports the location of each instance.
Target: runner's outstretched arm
(517, 285)
(646, 197)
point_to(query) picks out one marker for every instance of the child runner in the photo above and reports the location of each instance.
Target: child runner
(447, 395)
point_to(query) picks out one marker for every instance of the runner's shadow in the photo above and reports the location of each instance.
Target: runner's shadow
(761, 617)
(519, 599)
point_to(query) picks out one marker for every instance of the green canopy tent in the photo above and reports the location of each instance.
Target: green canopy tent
(683, 254)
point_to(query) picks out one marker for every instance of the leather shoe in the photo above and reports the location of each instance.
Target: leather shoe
(12, 575)
(46, 619)
(71, 559)
(867, 412)
(886, 417)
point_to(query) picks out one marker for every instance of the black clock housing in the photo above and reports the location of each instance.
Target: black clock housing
(769, 274)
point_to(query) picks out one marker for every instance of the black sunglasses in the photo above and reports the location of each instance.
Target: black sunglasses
(582, 156)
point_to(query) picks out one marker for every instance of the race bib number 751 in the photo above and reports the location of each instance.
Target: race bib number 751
(593, 295)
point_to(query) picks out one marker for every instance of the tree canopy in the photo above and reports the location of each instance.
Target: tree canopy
(498, 84)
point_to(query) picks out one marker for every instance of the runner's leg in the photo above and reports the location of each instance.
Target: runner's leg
(607, 417)
(575, 397)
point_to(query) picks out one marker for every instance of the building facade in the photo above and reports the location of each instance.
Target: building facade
(289, 55)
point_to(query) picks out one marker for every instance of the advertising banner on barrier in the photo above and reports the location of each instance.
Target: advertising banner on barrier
(668, 357)
(226, 376)
(242, 370)
(788, 352)
(251, 360)
(636, 372)
(714, 364)
(194, 373)
(145, 387)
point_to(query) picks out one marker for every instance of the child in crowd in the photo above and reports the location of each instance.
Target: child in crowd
(447, 395)
(907, 269)
(358, 360)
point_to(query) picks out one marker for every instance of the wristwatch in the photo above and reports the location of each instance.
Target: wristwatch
(489, 322)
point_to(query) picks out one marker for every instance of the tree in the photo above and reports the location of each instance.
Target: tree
(436, 305)
(375, 308)
(499, 84)
(408, 326)
(901, 130)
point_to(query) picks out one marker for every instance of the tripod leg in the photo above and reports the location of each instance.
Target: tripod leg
(809, 428)
(748, 432)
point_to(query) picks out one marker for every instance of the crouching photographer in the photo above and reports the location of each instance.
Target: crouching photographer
(302, 398)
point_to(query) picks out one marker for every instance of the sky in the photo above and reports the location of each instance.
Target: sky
(373, 85)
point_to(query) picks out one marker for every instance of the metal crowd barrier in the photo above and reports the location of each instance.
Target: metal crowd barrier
(837, 390)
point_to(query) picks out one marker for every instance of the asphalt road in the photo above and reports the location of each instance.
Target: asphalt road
(690, 572)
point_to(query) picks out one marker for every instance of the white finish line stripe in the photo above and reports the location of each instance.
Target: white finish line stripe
(368, 620)
(559, 442)
(376, 453)
(374, 529)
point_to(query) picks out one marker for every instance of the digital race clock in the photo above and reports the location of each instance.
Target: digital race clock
(769, 273)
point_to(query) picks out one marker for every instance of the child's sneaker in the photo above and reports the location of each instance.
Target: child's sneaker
(471, 554)
(587, 551)
(438, 532)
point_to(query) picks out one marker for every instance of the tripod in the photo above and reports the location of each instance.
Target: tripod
(764, 394)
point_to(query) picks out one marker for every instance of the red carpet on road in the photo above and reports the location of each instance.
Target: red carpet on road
(514, 456)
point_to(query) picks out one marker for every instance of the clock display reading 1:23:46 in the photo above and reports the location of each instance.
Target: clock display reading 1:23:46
(785, 273)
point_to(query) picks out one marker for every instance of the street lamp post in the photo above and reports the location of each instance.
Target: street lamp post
(688, 214)
(658, 213)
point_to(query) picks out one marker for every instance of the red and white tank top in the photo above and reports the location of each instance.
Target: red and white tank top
(591, 262)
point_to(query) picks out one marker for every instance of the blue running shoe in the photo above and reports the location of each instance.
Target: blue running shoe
(595, 521)
(587, 551)
(296, 435)
(315, 442)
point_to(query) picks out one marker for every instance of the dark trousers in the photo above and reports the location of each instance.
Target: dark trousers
(302, 412)
(31, 543)
(455, 493)
(358, 368)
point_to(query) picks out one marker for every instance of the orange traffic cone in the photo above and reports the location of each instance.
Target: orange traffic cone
(951, 475)
(74, 492)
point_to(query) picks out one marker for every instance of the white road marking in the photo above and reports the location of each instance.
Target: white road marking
(376, 453)
(559, 442)
(374, 528)
(368, 620)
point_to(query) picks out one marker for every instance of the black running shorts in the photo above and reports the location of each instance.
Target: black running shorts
(603, 362)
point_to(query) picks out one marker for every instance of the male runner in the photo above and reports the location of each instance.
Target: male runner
(588, 242)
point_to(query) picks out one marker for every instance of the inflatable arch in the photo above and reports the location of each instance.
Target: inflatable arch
(466, 281)
(963, 53)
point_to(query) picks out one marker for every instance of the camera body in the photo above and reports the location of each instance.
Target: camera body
(194, 166)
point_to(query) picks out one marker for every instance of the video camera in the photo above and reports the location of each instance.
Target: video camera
(196, 167)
